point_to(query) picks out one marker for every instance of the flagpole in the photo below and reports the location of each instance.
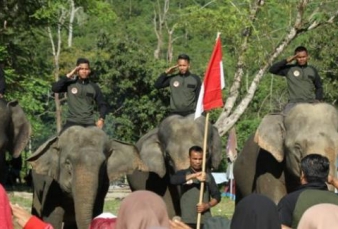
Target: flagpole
(210, 97)
(203, 166)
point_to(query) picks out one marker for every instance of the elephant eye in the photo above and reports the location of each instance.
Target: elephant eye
(298, 149)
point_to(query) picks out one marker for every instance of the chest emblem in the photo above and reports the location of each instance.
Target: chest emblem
(176, 84)
(296, 73)
(189, 182)
(74, 90)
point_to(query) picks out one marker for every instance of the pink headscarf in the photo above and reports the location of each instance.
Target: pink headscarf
(104, 221)
(5, 210)
(142, 210)
(320, 216)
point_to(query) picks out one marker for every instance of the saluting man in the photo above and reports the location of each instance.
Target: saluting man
(184, 86)
(303, 82)
(82, 95)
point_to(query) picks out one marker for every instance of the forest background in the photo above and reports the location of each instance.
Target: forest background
(130, 42)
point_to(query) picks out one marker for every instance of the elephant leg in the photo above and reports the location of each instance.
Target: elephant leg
(270, 179)
(47, 197)
(271, 187)
(152, 182)
(101, 194)
(171, 198)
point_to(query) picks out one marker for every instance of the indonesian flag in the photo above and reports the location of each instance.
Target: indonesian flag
(210, 96)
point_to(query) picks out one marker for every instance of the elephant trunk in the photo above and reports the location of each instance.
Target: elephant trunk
(84, 191)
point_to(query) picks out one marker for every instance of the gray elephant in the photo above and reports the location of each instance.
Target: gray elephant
(71, 175)
(165, 150)
(15, 131)
(270, 160)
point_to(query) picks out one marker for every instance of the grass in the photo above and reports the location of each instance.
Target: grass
(23, 197)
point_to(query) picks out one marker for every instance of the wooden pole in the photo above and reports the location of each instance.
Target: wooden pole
(203, 167)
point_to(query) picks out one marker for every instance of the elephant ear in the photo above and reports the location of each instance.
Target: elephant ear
(124, 158)
(45, 160)
(151, 152)
(270, 135)
(21, 129)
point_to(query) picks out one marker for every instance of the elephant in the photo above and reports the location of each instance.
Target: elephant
(165, 151)
(71, 175)
(269, 162)
(15, 131)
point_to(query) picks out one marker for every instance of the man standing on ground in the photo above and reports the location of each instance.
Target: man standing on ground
(303, 81)
(190, 180)
(82, 95)
(184, 86)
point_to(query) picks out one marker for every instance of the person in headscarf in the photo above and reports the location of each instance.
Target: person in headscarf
(255, 211)
(105, 220)
(5, 210)
(320, 216)
(142, 210)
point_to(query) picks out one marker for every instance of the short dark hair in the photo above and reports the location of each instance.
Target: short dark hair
(197, 149)
(82, 61)
(183, 57)
(315, 168)
(300, 49)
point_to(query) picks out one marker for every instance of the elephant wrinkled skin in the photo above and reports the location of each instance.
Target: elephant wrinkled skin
(270, 160)
(165, 151)
(15, 131)
(71, 175)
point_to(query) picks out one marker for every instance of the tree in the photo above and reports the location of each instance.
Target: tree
(302, 18)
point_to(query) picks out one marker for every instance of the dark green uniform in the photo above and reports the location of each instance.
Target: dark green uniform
(184, 90)
(190, 195)
(304, 83)
(82, 97)
(309, 198)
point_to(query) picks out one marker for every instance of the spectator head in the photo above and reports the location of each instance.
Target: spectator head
(142, 210)
(314, 168)
(255, 211)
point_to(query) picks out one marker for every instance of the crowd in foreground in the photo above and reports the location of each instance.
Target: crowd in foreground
(312, 206)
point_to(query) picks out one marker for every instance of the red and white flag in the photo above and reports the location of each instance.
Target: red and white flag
(210, 96)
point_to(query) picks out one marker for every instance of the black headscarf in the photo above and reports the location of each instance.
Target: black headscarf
(255, 212)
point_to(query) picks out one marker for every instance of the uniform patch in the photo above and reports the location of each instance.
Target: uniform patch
(176, 84)
(189, 181)
(296, 73)
(74, 90)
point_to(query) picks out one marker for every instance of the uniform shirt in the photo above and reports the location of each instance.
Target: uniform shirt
(303, 82)
(309, 198)
(82, 97)
(190, 195)
(287, 204)
(184, 90)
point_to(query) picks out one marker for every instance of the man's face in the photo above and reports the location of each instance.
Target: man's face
(196, 160)
(83, 71)
(302, 57)
(183, 66)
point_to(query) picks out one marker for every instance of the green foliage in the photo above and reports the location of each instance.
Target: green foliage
(118, 37)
